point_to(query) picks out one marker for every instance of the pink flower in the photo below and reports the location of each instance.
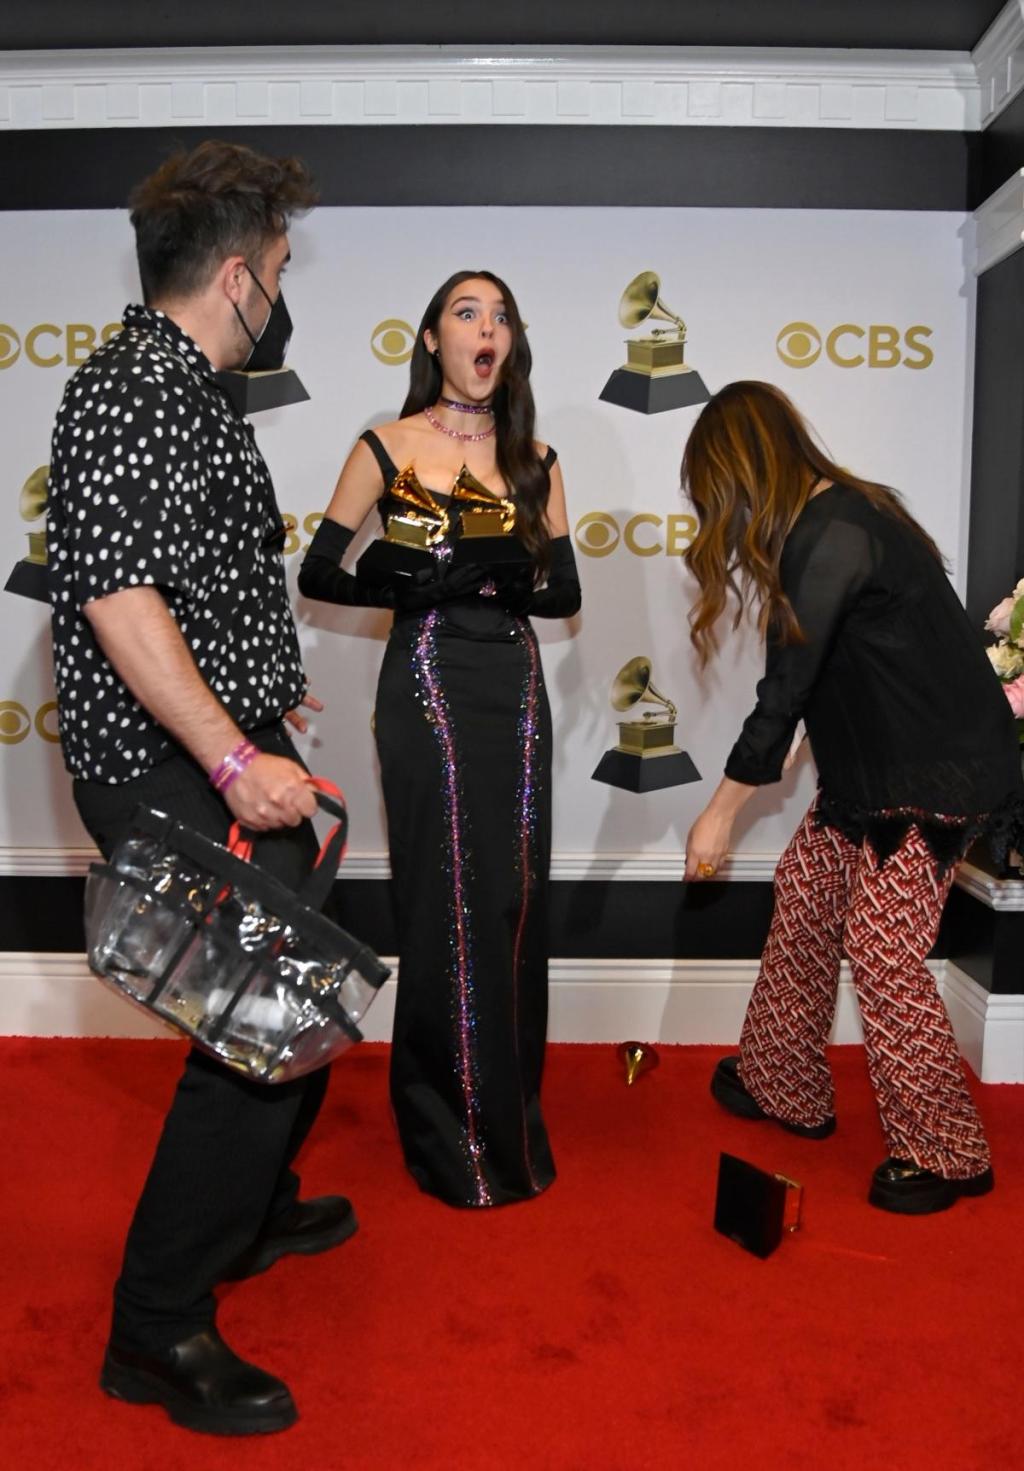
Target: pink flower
(999, 618)
(1014, 692)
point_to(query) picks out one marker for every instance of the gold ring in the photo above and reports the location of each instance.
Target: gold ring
(706, 870)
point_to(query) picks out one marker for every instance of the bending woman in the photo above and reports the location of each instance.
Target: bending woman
(856, 607)
(463, 733)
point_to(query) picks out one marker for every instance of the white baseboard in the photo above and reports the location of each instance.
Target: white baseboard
(990, 1029)
(683, 1001)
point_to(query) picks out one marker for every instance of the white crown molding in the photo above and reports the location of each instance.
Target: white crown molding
(694, 1002)
(312, 85)
(999, 61)
(999, 224)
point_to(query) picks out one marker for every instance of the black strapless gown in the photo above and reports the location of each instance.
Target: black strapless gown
(463, 732)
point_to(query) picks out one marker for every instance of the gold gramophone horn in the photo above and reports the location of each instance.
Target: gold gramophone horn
(641, 303)
(632, 686)
(32, 500)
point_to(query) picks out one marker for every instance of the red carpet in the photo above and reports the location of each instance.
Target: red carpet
(603, 1326)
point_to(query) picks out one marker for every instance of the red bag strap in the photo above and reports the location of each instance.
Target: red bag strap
(240, 842)
(331, 798)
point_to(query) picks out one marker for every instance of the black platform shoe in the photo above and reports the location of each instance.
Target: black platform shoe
(203, 1385)
(311, 1226)
(728, 1090)
(901, 1186)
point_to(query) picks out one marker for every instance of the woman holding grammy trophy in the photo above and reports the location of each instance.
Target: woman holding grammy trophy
(476, 542)
(853, 600)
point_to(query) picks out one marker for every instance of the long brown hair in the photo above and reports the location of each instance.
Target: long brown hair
(749, 466)
(514, 413)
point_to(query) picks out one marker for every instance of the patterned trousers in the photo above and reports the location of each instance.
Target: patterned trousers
(832, 898)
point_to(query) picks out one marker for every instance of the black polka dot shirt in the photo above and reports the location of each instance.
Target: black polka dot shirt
(156, 481)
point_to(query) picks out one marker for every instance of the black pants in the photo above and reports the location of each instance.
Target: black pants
(222, 1168)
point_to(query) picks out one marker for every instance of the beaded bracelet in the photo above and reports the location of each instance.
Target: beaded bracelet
(232, 766)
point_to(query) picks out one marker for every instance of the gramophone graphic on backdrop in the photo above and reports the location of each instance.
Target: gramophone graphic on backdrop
(646, 758)
(654, 378)
(29, 577)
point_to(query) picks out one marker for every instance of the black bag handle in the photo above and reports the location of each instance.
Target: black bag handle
(315, 889)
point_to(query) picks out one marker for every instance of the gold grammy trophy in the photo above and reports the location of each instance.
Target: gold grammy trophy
(487, 525)
(406, 548)
(655, 376)
(646, 758)
(29, 577)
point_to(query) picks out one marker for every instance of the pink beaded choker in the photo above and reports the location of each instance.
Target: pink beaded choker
(435, 422)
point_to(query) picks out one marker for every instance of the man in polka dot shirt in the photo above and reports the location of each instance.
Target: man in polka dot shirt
(177, 664)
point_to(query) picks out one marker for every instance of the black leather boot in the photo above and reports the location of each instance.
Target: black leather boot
(728, 1090)
(905, 1188)
(202, 1384)
(311, 1226)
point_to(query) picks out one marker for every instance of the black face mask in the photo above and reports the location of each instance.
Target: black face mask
(269, 348)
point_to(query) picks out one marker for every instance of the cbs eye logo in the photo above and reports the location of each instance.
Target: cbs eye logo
(17, 723)
(598, 534)
(392, 341)
(49, 346)
(800, 344)
(292, 540)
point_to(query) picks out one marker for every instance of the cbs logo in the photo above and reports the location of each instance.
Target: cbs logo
(49, 346)
(392, 342)
(17, 723)
(598, 534)
(292, 541)
(800, 344)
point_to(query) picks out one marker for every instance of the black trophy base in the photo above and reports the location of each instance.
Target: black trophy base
(645, 774)
(386, 563)
(750, 1205)
(30, 580)
(251, 393)
(654, 395)
(491, 551)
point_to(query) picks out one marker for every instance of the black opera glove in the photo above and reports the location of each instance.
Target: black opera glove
(428, 589)
(560, 597)
(322, 577)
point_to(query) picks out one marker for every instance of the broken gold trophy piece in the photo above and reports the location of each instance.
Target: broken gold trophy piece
(638, 1057)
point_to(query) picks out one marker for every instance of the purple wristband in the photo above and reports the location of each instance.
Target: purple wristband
(232, 766)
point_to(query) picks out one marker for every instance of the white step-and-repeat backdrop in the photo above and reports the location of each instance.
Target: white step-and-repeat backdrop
(864, 318)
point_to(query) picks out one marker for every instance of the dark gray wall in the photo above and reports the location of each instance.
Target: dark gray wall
(996, 543)
(786, 168)
(929, 24)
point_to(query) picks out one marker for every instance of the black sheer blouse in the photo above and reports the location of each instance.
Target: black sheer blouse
(905, 717)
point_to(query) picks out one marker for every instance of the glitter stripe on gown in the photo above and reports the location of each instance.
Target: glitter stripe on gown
(464, 737)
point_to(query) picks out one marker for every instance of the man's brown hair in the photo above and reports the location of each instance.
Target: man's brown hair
(200, 207)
